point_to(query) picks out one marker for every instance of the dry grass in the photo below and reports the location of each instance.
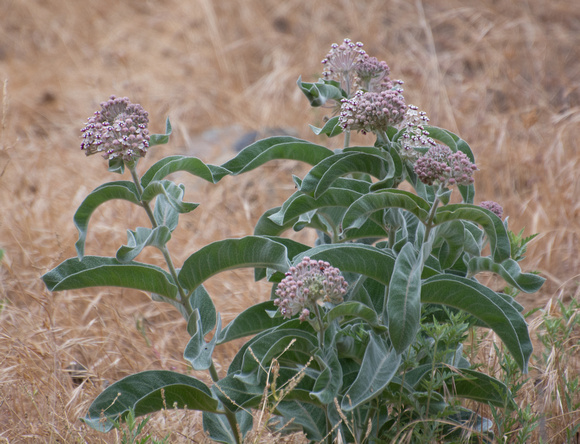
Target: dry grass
(505, 75)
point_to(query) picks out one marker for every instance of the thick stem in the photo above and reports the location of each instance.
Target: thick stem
(231, 417)
(346, 139)
(429, 224)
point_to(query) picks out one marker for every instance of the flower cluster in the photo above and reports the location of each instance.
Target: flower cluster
(492, 206)
(306, 284)
(340, 62)
(415, 136)
(372, 111)
(119, 130)
(442, 166)
(371, 72)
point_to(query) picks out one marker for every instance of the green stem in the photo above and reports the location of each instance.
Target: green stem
(346, 139)
(429, 224)
(231, 417)
(320, 326)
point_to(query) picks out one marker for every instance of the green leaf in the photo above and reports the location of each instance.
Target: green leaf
(480, 387)
(218, 428)
(141, 238)
(320, 92)
(355, 310)
(379, 365)
(404, 300)
(452, 235)
(323, 175)
(191, 165)
(160, 139)
(148, 392)
(281, 147)
(201, 300)
(171, 192)
(361, 209)
(300, 203)
(250, 322)
(510, 271)
(96, 271)
(229, 254)
(331, 128)
(329, 382)
(492, 225)
(486, 305)
(113, 190)
(198, 352)
(310, 417)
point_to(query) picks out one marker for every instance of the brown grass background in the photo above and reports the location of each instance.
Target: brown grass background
(504, 75)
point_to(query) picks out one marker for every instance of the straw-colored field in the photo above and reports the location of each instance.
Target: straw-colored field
(504, 75)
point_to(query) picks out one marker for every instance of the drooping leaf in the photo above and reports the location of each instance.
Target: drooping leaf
(169, 190)
(492, 225)
(452, 237)
(312, 418)
(141, 238)
(229, 254)
(404, 300)
(124, 190)
(198, 352)
(279, 147)
(355, 310)
(480, 387)
(97, 271)
(323, 175)
(148, 392)
(201, 300)
(191, 165)
(329, 382)
(250, 322)
(368, 204)
(486, 305)
(218, 428)
(509, 270)
(379, 365)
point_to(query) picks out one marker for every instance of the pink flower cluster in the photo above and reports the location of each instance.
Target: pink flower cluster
(492, 206)
(371, 72)
(340, 62)
(372, 111)
(306, 284)
(440, 165)
(119, 130)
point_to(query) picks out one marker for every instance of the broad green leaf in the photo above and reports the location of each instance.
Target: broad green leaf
(160, 139)
(97, 271)
(201, 300)
(452, 237)
(148, 392)
(312, 418)
(323, 175)
(480, 387)
(303, 203)
(250, 322)
(293, 248)
(116, 166)
(510, 271)
(355, 310)
(229, 254)
(358, 258)
(218, 428)
(113, 190)
(379, 365)
(329, 382)
(141, 238)
(320, 92)
(191, 165)
(281, 147)
(492, 225)
(487, 306)
(404, 300)
(362, 208)
(169, 190)
(286, 345)
(331, 128)
(198, 352)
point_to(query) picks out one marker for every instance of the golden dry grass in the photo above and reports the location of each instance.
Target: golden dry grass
(504, 75)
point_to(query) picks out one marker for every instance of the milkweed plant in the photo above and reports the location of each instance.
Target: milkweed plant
(361, 339)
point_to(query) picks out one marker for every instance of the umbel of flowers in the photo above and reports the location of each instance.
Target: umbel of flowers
(306, 284)
(118, 131)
